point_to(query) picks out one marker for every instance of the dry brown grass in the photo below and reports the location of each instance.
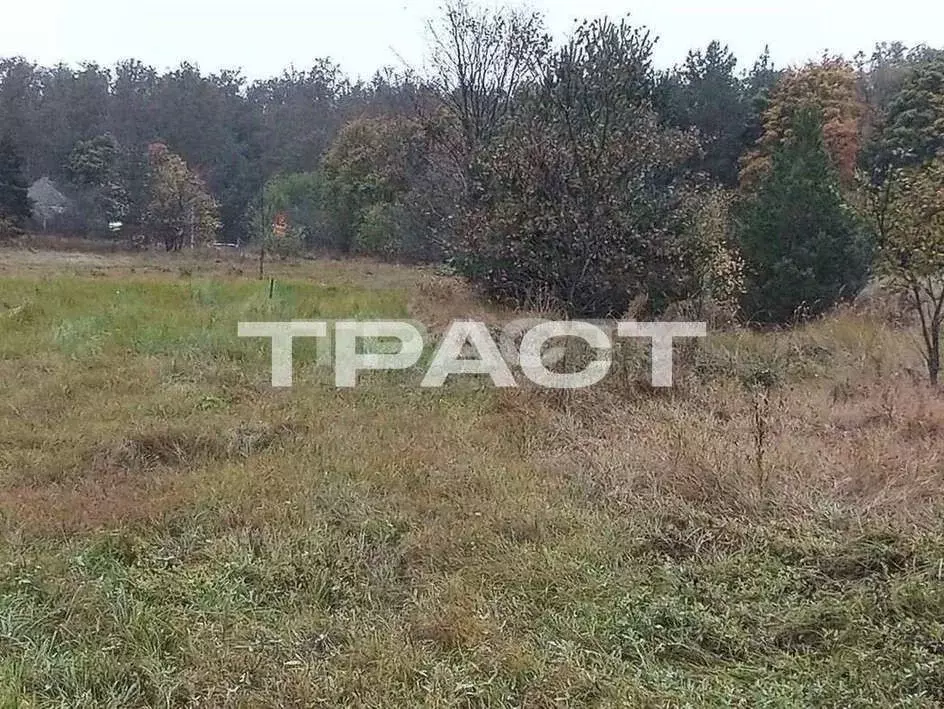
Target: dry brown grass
(177, 533)
(854, 436)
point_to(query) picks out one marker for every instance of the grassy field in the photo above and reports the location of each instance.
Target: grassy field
(177, 533)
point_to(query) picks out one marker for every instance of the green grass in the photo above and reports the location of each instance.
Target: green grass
(177, 533)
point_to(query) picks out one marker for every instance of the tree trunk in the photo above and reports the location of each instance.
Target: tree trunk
(934, 352)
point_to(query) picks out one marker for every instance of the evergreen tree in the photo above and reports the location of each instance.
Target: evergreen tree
(15, 205)
(803, 246)
(757, 86)
(705, 94)
(913, 131)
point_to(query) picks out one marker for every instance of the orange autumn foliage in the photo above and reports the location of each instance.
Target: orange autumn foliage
(831, 87)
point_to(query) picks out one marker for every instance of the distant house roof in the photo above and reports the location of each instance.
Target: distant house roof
(48, 202)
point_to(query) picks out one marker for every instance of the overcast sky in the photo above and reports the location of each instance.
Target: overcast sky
(262, 38)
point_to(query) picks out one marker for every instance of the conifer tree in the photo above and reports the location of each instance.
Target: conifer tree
(804, 248)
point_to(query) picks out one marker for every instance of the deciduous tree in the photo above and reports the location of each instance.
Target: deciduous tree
(829, 88)
(480, 60)
(579, 203)
(15, 205)
(297, 200)
(909, 213)
(368, 173)
(180, 209)
(95, 169)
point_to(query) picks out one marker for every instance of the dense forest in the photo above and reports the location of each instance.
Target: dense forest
(563, 173)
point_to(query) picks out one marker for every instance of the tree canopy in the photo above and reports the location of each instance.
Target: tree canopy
(567, 172)
(14, 190)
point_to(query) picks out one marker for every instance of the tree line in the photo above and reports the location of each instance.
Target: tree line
(569, 175)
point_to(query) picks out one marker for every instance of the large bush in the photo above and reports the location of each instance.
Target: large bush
(581, 202)
(298, 198)
(369, 174)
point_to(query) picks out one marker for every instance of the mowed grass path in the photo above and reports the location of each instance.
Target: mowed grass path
(177, 533)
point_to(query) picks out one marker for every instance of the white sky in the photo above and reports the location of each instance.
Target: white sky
(263, 37)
